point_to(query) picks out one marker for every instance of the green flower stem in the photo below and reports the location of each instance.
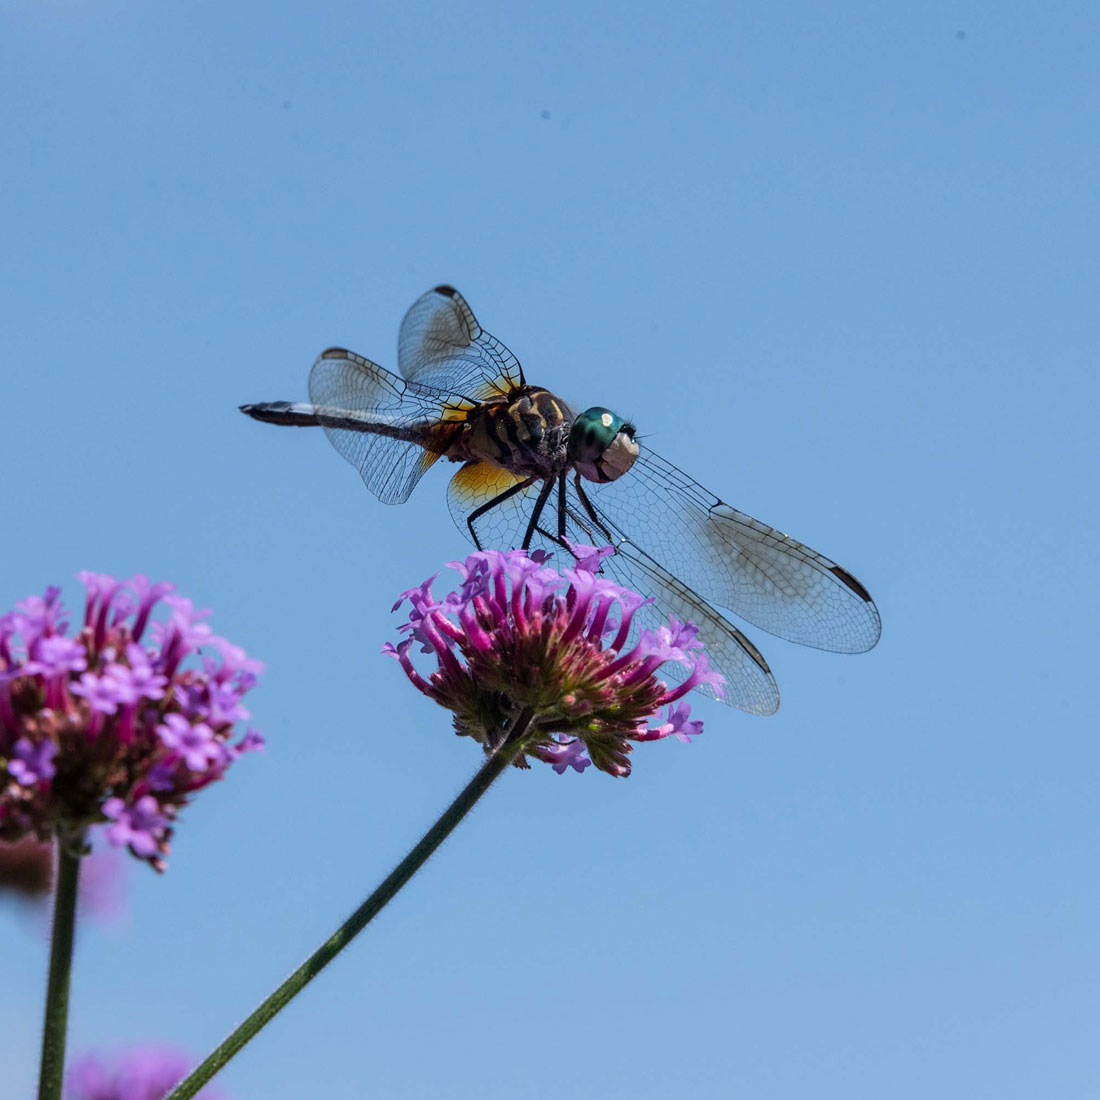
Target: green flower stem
(52, 1070)
(362, 916)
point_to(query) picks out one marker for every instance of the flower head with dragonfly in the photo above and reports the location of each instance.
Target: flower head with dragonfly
(518, 641)
(536, 475)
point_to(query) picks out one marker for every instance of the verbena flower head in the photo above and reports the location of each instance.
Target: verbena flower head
(140, 1073)
(121, 722)
(516, 636)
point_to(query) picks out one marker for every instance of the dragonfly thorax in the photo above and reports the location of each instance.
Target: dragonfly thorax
(525, 432)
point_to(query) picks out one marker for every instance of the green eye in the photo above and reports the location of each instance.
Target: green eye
(601, 444)
(592, 433)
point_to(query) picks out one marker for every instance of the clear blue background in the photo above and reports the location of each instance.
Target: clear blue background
(839, 261)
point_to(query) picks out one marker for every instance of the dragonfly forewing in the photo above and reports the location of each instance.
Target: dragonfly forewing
(759, 573)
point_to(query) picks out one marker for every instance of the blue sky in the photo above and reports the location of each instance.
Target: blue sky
(838, 262)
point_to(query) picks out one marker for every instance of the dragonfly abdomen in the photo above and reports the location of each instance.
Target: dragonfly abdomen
(433, 437)
(295, 414)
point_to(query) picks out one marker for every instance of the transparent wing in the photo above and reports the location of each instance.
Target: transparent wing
(477, 483)
(391, 430)
(440, 344)
(750, 685)
(759, 573)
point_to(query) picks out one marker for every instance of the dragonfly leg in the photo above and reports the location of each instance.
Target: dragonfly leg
(582, 525)
(592, 514)
(489, 504)
(560, 539)
(561, 506)
(544, 494)
(554, 538)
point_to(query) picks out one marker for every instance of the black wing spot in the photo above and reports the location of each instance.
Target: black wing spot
(754, 653)
(334, 353)
(449, 291)
(851, 582)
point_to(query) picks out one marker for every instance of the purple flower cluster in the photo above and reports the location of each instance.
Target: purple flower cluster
(141, 1073)
(108, 725)
(517, 636)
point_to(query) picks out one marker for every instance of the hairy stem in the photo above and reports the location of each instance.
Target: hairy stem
(362, 916)
(52, 1070)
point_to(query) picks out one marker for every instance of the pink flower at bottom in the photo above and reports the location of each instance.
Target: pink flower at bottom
(139, 1073)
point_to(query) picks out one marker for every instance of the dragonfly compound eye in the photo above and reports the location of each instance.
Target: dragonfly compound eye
(602, 446)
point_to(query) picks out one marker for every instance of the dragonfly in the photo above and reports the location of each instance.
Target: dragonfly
(535, 475)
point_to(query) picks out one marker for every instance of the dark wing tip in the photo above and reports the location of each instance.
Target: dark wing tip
(334, 353)
(449, 291)
(847, 578)
(755, 654)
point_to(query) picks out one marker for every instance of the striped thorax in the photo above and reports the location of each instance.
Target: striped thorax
(525, 432)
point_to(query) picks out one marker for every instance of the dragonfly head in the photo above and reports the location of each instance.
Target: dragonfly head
(602, 446)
